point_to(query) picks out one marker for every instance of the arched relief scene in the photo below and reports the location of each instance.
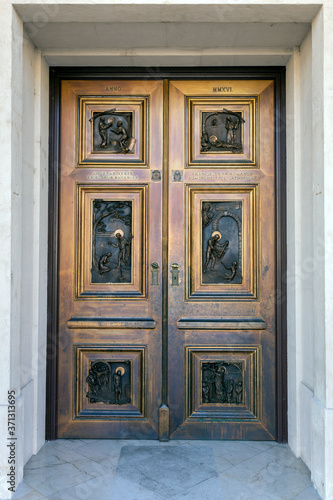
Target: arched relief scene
(222, 242)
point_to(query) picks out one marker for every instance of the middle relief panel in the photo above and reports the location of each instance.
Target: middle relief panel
(111, 241)
(222, 242)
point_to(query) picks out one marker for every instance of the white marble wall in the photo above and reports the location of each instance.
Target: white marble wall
(23, 177)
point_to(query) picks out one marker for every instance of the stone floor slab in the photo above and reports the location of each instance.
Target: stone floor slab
(86, 469)
(168, 471)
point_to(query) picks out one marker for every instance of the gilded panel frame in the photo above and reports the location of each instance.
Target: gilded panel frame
(83, 355)
(84, 287)
(248, 110)
(248, 195)
(137, 106)
(250, 357)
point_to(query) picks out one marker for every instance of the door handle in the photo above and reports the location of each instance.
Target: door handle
(155, 269)
(174, 274)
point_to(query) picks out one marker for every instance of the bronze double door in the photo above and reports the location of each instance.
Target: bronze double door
(167, 260)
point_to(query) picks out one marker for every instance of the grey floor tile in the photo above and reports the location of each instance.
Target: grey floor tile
(111, 462)
(96, 488)
(70, 443)
(25, 491)
(222, 464)
(234, 451)
(279, 477)
(237, 488)
(150, 470)
(210, 489)
(308, 494)
(49, 480)
(167, 471)
(261, 445)
(125, 489)
(99, 450)
(51, 455)
(92, 468)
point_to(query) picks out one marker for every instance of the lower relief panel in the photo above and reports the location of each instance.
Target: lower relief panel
(110, 382)
(223, 383)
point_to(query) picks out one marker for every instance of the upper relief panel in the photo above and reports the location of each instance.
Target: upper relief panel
(222, 132)
(112, 131)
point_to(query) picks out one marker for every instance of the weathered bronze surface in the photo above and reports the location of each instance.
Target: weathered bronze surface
(109, 382)
(222, 130)
(112, 131)
(221, 234)
(112, 228)
(222, 382)
(155, 269)
(109, 313)
(166, 281)
(222, 242)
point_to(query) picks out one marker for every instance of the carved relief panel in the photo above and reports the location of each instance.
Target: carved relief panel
(222, 131)
(113, 131)
(111, 241)
(110, 381)
(111, 253)
(223, 382)
(222, 242)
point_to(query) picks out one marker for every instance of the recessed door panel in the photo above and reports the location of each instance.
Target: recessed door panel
(221, 235)
(110, 235)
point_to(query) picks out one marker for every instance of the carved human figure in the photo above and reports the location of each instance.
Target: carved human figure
(92, 381)
(102, 263)
(230, 390)
(239, 392)
(235, 128)
(234, 272)
(123, 136)
(205, 393)
(219, 382)
(207, 214)
(124, 247)
(205, 145)
(214, 249)
(103, 125)
(117, 386)
(103, 379)
(231, 127)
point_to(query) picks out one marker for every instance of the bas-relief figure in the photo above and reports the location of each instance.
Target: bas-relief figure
(222, 382)
(221, 242)
(111, 227)
(107, 137)
(109, 382)
(221, 131)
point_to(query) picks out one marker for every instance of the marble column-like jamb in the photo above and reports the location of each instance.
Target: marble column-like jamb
(10, 230)
(294, 284)
(40, 243)
(322, 404)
